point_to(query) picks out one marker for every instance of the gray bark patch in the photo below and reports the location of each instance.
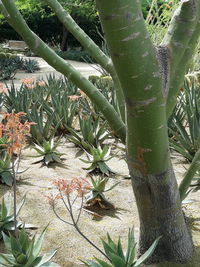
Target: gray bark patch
(163, 56)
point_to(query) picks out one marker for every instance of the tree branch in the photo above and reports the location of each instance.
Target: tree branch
(38, 46)
(180, 31)
(189, 175)
(90, 46)
(182, 43)
(178, 77)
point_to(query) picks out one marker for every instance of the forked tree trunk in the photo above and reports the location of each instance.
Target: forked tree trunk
(146, 75)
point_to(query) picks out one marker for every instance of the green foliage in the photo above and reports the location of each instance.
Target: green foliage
(97, 159)
(49, 152)
(49, 106)
(116, 255)
(42, 130)
(30, 65)
(61, 110)
(97, 190)
(8, 68)
(158, 15)
(185, 121)
(6, 174)
(43, 21)
(25, 252)
(7, 217)
(9, 64)
(76, 55)
(106, 87)
(93, 133)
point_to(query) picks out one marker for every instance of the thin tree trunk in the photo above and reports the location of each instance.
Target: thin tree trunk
(64, 45)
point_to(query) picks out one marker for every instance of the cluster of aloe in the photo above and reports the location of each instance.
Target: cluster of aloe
(106, 86)
(7, 224)
(93, 132)
(117, 258)
(42, 105)
(184, 124)
(25, 252)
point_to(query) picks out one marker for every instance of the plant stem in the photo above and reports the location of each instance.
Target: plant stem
(189, 175)
(14, 195)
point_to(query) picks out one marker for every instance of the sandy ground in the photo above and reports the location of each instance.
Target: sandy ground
(36, 183)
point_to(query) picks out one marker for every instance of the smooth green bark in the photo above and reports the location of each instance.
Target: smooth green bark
(145, 84)
(181, 39)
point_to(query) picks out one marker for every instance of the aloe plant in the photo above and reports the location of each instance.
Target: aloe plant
(7, 223)
(30, 65)
(97, 159)
(43, 129)
(61, 110)
(185, 130)
(97, 190)
(17, 100)
(25, 252)
(93, 132)
(117, 257)
(6, 174)
(48, 150)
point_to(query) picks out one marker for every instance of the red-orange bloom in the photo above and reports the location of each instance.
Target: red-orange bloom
(81, 186)
(15, 130)
(73, 97)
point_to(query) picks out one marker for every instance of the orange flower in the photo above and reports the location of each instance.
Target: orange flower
(15, 130)
(28, 82)
(73, 97)
(3, 89)
(41, 83)
(81, 186)
(168, 5)
(82, 93)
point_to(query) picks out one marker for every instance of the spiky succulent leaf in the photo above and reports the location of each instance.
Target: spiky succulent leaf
(147, 254)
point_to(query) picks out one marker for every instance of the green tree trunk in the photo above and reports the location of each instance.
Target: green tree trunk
(145, 73)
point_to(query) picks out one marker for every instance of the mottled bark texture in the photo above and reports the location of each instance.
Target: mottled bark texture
(160, 215)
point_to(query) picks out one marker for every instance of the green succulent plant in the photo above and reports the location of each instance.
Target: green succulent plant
(30, 65)
(115, 254)
(25, 252)
(97, 190)
(185, 130)
(48, 151)
(93, 133)
(6, 168)
(43, 129)
(7, 217)
(61, 109)
(6, 175)
(97, 159)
